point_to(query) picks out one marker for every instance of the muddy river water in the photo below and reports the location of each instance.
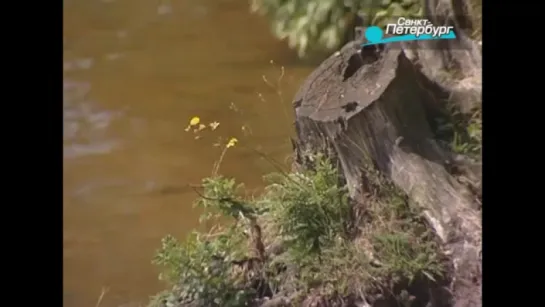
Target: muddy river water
(135, 72)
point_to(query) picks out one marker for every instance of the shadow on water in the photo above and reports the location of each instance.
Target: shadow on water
(135, 71)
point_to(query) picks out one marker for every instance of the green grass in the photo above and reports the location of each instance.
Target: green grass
(324, 245)
(460, 133)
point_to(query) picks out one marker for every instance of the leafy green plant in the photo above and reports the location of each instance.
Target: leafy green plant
(309, 214)
(310, 208)
(467, 134)
(219, 193)
(405, 256)
(461, 133)
(200, 269)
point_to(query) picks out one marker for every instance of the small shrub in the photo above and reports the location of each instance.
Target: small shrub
(200, 269)
(406, 256)
(309, 208)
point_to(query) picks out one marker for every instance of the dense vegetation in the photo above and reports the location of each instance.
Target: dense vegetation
(299, 240)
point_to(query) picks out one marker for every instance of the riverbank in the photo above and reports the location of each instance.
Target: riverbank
(382, 206)
(302, 243)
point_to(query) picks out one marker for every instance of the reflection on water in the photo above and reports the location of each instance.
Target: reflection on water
(85, 124)
(135, 71)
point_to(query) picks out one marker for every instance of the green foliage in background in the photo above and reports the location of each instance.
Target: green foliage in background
(324, 25)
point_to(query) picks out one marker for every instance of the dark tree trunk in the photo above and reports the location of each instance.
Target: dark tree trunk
(369, 108)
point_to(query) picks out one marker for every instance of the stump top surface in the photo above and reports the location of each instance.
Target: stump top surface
(345, 83)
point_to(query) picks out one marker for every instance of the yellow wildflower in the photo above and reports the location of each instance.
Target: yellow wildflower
(194, 121)
(232, 142)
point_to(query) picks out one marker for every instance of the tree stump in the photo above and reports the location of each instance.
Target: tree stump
(368, 108)
(453, 65)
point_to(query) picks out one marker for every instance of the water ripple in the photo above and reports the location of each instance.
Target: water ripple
(85, 130)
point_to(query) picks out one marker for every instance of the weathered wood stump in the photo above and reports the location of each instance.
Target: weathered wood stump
(453, 65)
(369, 108)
